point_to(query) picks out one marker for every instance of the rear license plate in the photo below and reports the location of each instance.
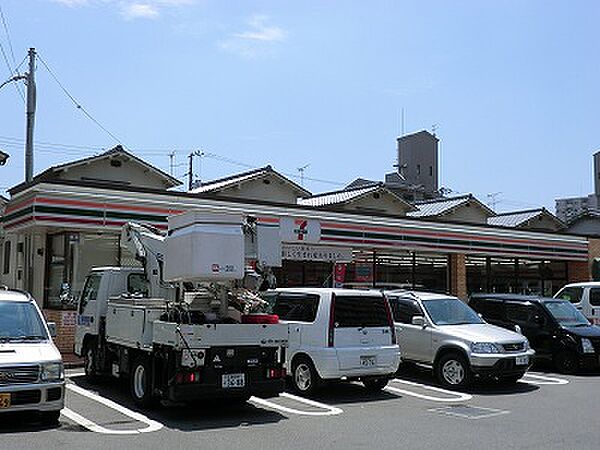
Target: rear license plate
(522, 360)
(368, 361)
(4, 401)
(233, 380)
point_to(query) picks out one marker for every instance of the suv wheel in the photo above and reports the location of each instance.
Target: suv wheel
(452, 369)
(375, 384)
(566, 362)
(305, 378)
(141, 382)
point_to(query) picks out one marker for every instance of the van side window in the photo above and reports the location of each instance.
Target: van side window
(571, 294)
(301, 308)
(137, 284)
(360, 311)
(90, 291)
(595, 296)
(489, 309)
(518, 313)
(404, 310)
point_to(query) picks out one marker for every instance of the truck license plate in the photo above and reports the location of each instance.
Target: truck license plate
(4, 401)
(522, 360)
(368, 361)
(233, 380)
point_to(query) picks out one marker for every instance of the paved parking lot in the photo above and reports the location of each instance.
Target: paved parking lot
(544, 410)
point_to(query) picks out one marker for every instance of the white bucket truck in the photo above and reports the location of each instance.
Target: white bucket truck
(181, 326)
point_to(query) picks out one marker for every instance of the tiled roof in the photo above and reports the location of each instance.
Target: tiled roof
(347, 196)
(223, 183)
(516, 219)
(433, 208)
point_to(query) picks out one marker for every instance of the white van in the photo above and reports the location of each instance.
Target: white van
(31, 370)
(337, 334)
(585, 297)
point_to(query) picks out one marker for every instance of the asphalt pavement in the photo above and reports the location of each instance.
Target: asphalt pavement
(544, 410)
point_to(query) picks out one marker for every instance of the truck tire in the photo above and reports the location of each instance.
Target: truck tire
(90, 362)
(452, 370)
(305, 379)
(141, 382)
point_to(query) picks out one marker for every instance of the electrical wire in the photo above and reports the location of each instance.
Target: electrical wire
(12, 54)
(75, 102)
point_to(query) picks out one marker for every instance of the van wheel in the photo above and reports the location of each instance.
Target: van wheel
(90, 359)
(305, 378)
(566, 362)
(375, 384)
(141, 382)
(50, 417)
(452, 370)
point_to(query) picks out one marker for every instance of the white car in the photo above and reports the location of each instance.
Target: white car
(31, 369)
(443, 332)
(337, 334)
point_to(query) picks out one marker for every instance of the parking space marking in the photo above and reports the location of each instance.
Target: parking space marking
(152, 425)
(470, 412)
(543, 380)
(455, 396)
(329, 410)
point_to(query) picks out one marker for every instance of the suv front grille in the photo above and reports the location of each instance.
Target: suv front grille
(515, 347)
(19, 374)
(26, 397)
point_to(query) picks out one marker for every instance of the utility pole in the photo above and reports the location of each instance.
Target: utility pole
(171, 165)
(190, 173)
(31, 100)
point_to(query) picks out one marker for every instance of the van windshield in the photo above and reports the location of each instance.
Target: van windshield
(566, 314)
(450, 311)
(20, 321)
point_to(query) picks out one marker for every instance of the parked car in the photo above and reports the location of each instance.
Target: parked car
(585, 297)
(556, 330)
(443, 332)
(31, 369)
(335, 334)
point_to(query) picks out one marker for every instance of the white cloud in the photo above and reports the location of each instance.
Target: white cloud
(132, 9)
(139, 11)
(257, 40)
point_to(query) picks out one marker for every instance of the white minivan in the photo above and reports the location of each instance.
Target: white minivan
(31, 369)
(585, 297)
(337, 334)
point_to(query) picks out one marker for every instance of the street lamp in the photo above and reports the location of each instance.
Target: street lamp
(3, 157)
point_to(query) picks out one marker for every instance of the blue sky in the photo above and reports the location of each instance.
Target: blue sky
(512, 86)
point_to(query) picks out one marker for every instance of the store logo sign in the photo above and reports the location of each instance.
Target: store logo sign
(306, 231)
(301, 230)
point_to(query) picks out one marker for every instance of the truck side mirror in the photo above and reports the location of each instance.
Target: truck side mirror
(52, 329)
(418, 321)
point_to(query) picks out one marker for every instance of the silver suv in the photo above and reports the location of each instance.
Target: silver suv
(445, 333)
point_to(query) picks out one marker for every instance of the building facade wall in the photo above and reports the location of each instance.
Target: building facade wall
(418, 159)
(269, 189)
(458, 276)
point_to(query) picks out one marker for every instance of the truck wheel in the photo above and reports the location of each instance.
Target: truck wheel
(566, 362)
(305, 378)
(90, 363)
(375, 384)
(452, 370)
(141, 382)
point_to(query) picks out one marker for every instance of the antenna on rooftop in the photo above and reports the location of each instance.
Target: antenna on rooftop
(493, 199)
(301, 170)
(434, 128)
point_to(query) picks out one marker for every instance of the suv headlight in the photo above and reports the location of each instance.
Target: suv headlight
(484, 347)
(53, 371)
(526, 345)
(586, 345)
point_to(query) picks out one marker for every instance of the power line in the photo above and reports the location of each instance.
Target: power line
(75, 102)
(12, 53)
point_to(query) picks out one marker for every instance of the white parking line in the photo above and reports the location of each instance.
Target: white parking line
(543, 380)
(489, 412)
(456, 396)
(329, 410)
(152, 425)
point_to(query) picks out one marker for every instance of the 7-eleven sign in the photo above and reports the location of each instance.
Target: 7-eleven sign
(306, 231)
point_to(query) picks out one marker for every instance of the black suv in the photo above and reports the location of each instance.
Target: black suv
(556, 330)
